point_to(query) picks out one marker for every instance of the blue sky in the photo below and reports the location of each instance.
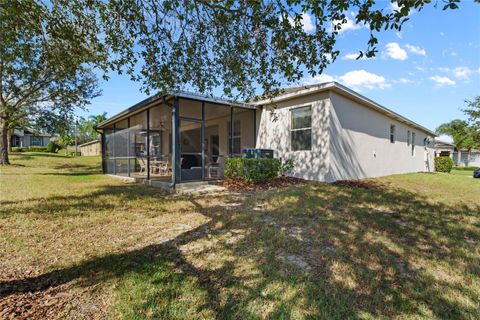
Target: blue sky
(425, 72)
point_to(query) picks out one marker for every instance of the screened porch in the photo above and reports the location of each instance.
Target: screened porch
(175, 140)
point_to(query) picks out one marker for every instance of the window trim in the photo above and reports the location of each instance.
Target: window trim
(408, 137)
(413, 144)
(38, 141)
(301, 129)
(393, 128)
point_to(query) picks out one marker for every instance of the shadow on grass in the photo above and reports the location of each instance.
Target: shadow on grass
(382, 241)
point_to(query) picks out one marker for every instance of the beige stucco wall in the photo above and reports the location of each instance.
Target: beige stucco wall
(275, 134)
(94, 149)
(349, 140)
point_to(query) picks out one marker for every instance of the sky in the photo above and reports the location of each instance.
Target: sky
(425, 72)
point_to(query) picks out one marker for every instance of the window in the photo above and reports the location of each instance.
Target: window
(408, 137)
(236, 137)
(392, 133)
(413, 144)
(301, 129)
(36, 141)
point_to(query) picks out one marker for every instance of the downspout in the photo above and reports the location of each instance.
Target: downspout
(175, 117)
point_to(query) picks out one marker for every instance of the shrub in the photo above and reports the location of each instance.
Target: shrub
(19, 149)
(37, 149)
(71, 153)
(286, 167)
(52, 147)
(252, 170)
(443, 164)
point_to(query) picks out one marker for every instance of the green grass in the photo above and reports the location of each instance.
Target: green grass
(406, 248)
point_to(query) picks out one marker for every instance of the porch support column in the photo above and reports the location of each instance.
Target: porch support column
(203, 140)
(176, 157)
(230, 138)
(128, 147)
(148, 144)
(102, 141)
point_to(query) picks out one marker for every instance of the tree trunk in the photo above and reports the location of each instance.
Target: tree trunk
(4, 139)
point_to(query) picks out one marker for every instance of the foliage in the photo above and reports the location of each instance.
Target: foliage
(443, 164)
(71, 153)
(286, 167)
(461, 133)
(37, 149)
(252, 170)
(47, 52)
(473, 112)
(53, 147)
(19, 149)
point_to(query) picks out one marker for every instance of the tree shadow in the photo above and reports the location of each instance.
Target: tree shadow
(370, 252)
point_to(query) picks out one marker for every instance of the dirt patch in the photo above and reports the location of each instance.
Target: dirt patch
(361, 184)
(278, 183)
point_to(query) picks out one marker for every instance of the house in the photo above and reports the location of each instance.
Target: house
(331, 132)
(29, 137)
(461, 157)
(91, 148)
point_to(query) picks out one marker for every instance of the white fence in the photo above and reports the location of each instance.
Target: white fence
(467, 159)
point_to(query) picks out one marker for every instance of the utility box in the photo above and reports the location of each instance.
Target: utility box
(257, 153)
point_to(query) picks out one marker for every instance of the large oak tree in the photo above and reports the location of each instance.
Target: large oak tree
(48, 48)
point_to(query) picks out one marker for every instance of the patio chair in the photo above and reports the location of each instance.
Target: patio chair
(143, 165)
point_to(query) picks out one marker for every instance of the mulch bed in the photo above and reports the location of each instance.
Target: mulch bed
(278, 183)
(358, 184)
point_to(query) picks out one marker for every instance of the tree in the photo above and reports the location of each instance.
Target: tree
(86, 127)
(47, 49)
(473, 112)
(44, 61)
(461, 133)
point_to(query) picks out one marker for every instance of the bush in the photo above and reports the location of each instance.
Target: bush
(37, 149)
(286, 167)
(19, 149)
(252, 170)
(52, 147)
(443, 164)
(71, 153)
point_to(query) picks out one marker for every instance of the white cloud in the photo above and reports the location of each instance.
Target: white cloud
(399, 34)
(349, 25)
(394, 51)
(306, 22)
(404, 80)
(395, 7)
(321, 78)
(416, 50)
(354, 56)
(356, 79)
(442, 81)
(442, 34)
(462, 73)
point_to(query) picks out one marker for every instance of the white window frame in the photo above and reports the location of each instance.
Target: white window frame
(38, 141)
(413, 144)
(392, 132)
(301, 129)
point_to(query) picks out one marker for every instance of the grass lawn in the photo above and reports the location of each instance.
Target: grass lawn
(77, 244)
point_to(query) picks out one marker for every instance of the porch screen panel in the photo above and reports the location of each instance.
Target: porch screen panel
(160, 129)
(137, 146)
(121, 150)
(216, 141)
(109, 151)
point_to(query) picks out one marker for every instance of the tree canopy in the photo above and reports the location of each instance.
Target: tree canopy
(49, 49)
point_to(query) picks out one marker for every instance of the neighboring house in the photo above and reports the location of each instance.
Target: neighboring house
(92, 148)
(28, 137)
(460, 157)
(331, 132)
